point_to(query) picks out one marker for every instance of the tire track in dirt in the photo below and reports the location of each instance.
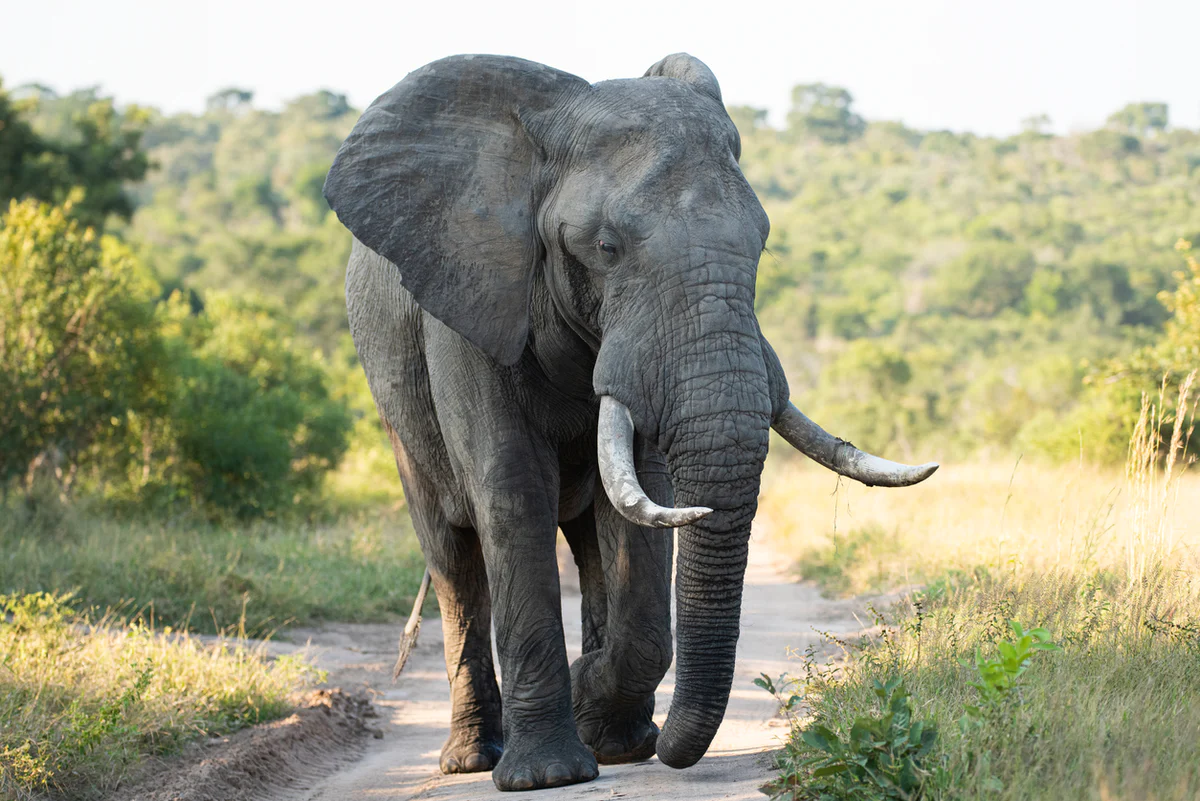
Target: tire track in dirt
(777, 614)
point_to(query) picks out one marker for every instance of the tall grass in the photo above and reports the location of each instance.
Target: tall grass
(83, 702)
(1010, 517)
(1150, 542)
(1108, 564)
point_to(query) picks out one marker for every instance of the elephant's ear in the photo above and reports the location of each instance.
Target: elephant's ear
(438, 177)
(688, 69)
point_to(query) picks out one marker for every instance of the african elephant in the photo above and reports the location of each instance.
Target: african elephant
(551, 291)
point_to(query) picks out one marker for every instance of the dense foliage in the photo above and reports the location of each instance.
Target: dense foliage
(930, 286)
(76, 350)
(95, 146)
(140, 393)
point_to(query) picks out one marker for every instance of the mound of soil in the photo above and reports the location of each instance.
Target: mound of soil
(274, 760)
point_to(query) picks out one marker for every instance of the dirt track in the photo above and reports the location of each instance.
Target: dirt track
(777, 614)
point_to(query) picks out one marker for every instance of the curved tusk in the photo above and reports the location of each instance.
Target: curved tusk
(841, 457)
(614, 447)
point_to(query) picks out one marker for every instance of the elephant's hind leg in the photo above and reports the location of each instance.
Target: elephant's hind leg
(476, 740)
(581, 536)
(459, 576)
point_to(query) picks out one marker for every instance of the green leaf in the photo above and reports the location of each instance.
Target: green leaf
(830, 770)
(821, 738)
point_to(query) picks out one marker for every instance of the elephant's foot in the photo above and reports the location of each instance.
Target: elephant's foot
(608, 715)
(616, 738)
(468, 752)
(533, 763)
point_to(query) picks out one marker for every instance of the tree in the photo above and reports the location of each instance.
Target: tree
(23, 154)
(1140, 119)
(1037, 124)
(824, 112)
(231, 99)
(252, 423)
(77, 344)
(95, 147)
(320, 105)
(989, 277)
(1108, 410)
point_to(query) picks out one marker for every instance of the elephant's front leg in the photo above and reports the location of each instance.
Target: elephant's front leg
(510, 474)
(541, 745)
(515, 500)
(614, 686)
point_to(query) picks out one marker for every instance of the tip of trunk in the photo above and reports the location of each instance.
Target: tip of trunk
(677, 753)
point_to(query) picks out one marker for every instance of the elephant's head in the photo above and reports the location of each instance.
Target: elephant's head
(492, 182)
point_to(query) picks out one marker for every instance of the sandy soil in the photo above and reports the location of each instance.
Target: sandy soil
(272, 762)
(777, 614)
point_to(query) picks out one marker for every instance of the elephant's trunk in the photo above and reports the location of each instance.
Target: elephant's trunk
(715, 448)
(710, 568)
(709, 573)
(710, 416)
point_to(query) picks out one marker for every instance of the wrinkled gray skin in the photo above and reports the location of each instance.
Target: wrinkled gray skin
(489, 318)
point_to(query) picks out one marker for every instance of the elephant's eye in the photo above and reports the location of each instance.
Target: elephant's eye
(607, 247)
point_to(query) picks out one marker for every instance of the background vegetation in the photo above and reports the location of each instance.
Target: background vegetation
(929, 291)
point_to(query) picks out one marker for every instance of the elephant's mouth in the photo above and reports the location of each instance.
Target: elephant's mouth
(614, 446)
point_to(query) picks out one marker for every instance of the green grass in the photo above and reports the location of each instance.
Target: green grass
(210, 577)
(858, 560)
(1115, 714)
(83, 703)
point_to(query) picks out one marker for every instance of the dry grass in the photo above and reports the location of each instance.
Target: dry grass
(83, 703)
(1107, 562)
(1013, 517)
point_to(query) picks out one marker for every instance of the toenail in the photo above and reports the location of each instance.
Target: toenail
(557, 773)
(522, 781)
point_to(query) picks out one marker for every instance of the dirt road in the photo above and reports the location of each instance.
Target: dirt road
(777, 613)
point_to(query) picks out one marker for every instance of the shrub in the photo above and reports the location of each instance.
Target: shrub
(77, 344)
(251, 427)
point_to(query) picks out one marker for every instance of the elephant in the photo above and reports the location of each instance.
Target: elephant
(551, 292)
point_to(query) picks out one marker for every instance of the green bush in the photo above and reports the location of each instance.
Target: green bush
(882, 758)
(77, 343)
(1113, 716)
(223, 407)
(253, 427)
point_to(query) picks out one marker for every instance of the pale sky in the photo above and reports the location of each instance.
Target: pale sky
(977, 65)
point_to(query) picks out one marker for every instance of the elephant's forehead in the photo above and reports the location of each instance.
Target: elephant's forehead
(659, 113)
